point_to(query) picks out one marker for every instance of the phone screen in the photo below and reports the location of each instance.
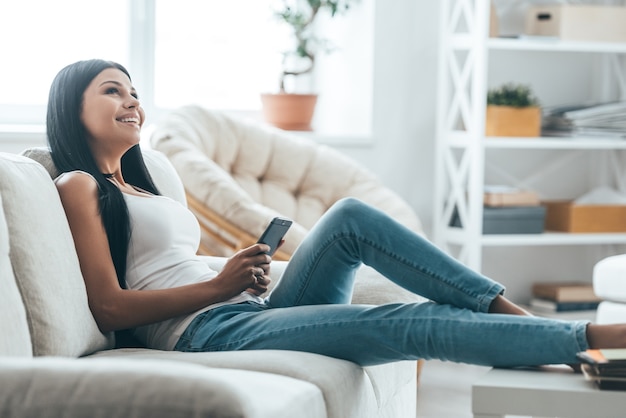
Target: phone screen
(274, 232)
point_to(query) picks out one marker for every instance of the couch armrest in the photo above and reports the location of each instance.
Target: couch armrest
(52, 386)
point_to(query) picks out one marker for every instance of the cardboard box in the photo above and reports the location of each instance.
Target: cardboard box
(567, 217)
(574, 22)
(509, 220)
(513, 121)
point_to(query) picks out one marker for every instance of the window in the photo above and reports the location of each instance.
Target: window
(221, 55)
(39, 37)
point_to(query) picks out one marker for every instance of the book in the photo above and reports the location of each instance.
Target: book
(589, 120)
(565, 292)
(514, 198)
(602, 381)
(605, 359)
(546, 305)
(605, 367)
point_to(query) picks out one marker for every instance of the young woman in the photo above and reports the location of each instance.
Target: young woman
(137, 255)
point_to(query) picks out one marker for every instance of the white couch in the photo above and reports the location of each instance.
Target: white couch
(55, 362)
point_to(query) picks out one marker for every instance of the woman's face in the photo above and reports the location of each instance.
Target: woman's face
(111, 112)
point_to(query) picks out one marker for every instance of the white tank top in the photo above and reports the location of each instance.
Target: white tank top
(165, 237)
(164, 241)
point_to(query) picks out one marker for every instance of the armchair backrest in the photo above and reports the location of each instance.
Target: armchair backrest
(237, 168)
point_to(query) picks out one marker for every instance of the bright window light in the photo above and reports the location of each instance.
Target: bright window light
(39, 37)
(217, 54)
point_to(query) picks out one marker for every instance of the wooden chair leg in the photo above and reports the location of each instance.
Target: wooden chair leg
(420, 366)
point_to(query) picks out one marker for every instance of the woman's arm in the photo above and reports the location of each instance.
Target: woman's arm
(115, 308)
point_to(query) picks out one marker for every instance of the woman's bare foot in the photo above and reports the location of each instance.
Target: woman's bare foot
(504, 306)
(606, 336)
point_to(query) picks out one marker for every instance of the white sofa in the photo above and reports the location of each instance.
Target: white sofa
(54, 362)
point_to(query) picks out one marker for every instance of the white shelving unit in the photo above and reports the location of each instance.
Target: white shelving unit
(461, 156)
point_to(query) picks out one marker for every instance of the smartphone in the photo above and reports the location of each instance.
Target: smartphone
(274, 232)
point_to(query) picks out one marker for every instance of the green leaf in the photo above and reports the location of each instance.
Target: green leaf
(510, 94)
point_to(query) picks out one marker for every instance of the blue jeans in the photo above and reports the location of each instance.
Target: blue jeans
(310, 310)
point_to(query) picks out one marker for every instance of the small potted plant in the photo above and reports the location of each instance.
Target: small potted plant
(513, 110)
(290, 110)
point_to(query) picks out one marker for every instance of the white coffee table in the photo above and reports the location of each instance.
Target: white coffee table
(546, 392)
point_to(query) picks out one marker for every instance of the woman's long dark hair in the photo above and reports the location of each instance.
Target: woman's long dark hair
(67, 139)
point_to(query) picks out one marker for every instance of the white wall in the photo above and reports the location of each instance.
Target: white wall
(405, 75)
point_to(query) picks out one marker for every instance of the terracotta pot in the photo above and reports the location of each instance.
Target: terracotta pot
(288, 111)
(513, 121)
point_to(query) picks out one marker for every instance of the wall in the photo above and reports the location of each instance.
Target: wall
(405, 76)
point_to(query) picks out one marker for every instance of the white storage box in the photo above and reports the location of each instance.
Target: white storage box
(609, 278)
(578, 22)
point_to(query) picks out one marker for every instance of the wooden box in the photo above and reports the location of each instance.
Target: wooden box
(576, 22)
(513, 121)
(567, 217)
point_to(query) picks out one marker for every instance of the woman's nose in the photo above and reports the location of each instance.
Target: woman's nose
(132, 102)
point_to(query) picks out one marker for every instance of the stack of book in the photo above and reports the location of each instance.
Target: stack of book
(606, 367)
(507, 196)
(599, 119)
(572, 297)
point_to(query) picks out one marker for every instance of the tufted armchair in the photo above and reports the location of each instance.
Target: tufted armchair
(238, 175)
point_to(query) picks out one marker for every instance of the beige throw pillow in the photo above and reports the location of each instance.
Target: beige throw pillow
(15, 339)
(45, 263)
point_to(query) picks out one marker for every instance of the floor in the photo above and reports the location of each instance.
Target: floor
(444, 390)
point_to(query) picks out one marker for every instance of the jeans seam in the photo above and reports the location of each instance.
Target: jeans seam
(325, 248)
(479, 297)
(228, 346)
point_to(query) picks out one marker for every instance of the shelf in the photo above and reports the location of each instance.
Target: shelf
(556, 143)
(553, 238)
(463, 155)
(544, 239)
(461, 140)
(554, 45)
(589, 315)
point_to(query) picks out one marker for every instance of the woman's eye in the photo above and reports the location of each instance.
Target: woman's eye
(112, 90)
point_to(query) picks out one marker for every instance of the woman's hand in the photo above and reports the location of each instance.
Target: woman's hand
(247, 270)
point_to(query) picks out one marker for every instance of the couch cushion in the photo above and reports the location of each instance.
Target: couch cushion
(349, 390)
(15, 339)
(45, 263)
(131, 388)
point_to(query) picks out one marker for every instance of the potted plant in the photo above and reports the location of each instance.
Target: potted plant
(290, 110)
(512, 110)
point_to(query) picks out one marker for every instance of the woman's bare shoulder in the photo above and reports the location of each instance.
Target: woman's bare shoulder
(76, 185)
